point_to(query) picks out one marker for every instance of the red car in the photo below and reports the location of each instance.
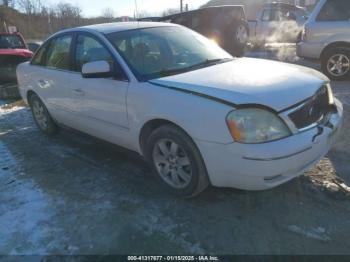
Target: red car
(13, 51)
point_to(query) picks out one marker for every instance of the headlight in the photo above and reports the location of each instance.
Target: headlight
(254, 125)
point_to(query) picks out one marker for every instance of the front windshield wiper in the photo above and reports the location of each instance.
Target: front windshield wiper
(207, 62)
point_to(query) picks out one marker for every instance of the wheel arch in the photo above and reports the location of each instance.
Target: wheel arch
(152, 125)
(339, 44)
(29, 95)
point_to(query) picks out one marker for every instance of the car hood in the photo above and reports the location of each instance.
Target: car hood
(16, 52)
(250, 81)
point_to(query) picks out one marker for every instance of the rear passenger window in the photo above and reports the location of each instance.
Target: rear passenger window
(266, 15)
(335, 10)
(58, 55)
(39, 58)
(90, 50)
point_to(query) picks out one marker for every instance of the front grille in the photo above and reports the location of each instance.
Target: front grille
(312, 111)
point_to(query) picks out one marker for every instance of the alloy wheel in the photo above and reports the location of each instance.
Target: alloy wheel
(40, 115)
(338, 65)
(172, 163)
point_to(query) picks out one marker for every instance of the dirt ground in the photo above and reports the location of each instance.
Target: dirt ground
(72, 194)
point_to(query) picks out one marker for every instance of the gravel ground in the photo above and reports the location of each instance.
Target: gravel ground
(73, 194)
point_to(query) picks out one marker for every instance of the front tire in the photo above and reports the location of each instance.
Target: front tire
(176, 161)
(336, 63)
(42, 116)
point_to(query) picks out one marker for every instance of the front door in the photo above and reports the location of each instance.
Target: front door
(102, 110)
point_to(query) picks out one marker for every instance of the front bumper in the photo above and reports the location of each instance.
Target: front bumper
(309, 50)
(267, 165)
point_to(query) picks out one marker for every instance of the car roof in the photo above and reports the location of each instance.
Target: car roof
(119, 27)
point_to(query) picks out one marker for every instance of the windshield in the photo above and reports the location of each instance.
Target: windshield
(161, 51)
(11, 42)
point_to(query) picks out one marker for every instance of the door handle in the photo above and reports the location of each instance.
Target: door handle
(43, 83)
(78, 91)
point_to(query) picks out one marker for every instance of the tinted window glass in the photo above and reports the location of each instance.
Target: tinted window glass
(58, 55)
(11, 42)
(90, 50)
(335, 10)
(39, 58)
(284, 15)
(266, 15)
(235, 13)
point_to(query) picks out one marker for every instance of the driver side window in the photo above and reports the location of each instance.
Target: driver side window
(58, 55)
(90, 50)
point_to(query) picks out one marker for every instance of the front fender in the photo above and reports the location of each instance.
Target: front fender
(202, 118)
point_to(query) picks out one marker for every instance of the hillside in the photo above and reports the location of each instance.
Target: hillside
(40, 25)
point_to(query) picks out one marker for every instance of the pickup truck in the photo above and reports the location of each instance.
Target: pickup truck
(226, 25)
(13, 51)
(277, 22)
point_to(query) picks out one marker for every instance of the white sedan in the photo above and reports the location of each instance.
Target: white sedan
(198, 115)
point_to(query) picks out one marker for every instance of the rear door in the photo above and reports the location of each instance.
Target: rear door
(333, 21)
(51, 76)
(263, 26)
(278, 25)
(102, 101)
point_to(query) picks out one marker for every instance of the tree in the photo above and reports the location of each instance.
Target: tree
(170, 11)
(142, 14)
(68, 15)
(108, 13)
(30, 7)
(6, 3)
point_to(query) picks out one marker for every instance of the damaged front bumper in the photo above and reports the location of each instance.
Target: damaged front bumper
(267, 165)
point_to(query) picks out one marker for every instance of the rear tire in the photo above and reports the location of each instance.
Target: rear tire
(42, 116)
(336, 63)
(176, 161)
(238, 38)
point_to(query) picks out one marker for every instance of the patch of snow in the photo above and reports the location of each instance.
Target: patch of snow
(20, 227)
(153, 222)
(318, 233)
(18, 116)
(4, 110)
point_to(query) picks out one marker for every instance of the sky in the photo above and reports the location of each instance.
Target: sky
(93, 8)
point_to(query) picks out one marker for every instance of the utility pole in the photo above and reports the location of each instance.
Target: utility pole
(181, 5)
(186, 7)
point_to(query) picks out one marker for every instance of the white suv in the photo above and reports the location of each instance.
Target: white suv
(326, 38)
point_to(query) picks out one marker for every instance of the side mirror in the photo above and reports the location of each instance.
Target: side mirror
(97, 69)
